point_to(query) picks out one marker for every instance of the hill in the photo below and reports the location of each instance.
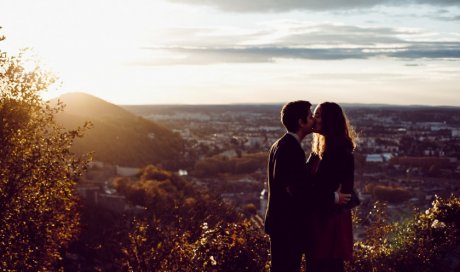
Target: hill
(118, 136)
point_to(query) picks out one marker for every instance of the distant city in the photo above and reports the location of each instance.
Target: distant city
(406, 154)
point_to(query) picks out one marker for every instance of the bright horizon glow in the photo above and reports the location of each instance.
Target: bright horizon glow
(162, 52)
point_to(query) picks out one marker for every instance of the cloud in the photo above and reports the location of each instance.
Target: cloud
(200, 56)
(430, 50)
(447, 17)
(297, 40)
(439, 2)
(286, 5)
(254, 54)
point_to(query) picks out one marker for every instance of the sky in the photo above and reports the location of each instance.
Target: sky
(404, 52)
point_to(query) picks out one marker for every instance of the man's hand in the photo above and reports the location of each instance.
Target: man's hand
(342, 198)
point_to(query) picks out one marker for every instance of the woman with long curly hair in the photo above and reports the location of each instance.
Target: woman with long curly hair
(331, 237)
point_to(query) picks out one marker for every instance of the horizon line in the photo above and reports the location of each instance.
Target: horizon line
(283, 103)
(370, 104)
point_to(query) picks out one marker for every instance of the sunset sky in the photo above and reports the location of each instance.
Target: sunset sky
(240, 51)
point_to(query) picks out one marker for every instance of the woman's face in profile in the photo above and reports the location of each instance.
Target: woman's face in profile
(318, 125)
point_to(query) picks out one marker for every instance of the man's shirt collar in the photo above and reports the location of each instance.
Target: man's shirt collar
(294, 135)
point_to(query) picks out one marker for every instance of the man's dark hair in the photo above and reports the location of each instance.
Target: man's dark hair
(292, 112)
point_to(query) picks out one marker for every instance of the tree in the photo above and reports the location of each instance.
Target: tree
(393, 195)
(38, 203)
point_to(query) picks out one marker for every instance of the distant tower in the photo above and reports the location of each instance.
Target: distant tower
(263, 200)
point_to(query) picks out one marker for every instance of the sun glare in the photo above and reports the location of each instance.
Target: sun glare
(84, 43)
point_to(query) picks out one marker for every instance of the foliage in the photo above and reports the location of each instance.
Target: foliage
(186, 228)
(392, 195)
(238, 246)
(231, 247)
(429, 241)
(156, 188)
(213, 166)
(98, 247)
(38, 206)
(171, 199)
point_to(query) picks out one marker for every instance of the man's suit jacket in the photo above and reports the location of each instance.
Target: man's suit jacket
(290, 190)
(287, 172)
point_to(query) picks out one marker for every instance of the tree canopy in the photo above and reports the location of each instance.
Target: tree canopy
(38, 204)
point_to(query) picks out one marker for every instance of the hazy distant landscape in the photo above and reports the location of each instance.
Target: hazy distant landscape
(411, 150)
(399, 146)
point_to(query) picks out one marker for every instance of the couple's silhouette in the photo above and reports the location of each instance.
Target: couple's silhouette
(309, 205)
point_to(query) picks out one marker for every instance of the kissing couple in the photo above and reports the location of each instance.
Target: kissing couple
(310, 200)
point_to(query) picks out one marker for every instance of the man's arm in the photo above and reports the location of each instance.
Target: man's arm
(338, 197)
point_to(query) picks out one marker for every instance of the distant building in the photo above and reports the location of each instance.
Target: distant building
(374, 158)
(116, 203)
(151, 135)
(127, 171)
(108, 189)
(384, 157)
(247, 180)
(95, 164)
(436, 126)
(180, 116)
(268, 128)
(387, 156)
(182, 172)
(229, 153)
(89, 193)
(254, 141)
(263, 202)
(455, 132)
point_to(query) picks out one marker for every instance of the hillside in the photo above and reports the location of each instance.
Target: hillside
(118, 136)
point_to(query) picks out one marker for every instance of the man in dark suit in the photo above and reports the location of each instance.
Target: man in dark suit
(288, 182)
